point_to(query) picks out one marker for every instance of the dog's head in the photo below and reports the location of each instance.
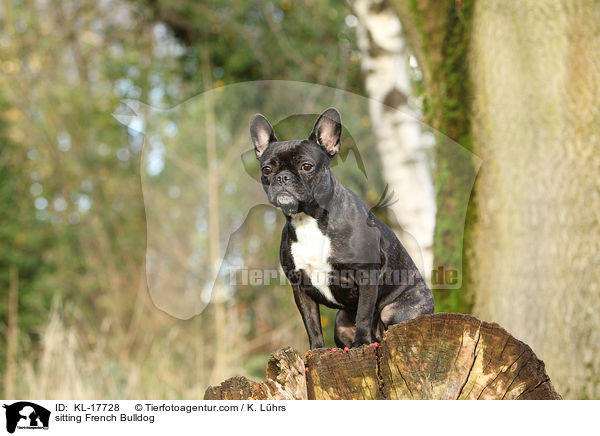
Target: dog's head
(295, 174)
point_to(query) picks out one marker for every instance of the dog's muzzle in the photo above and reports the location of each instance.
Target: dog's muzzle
(287, 203)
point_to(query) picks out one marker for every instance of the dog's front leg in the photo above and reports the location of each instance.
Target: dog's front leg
(367, 299)
(309, 309)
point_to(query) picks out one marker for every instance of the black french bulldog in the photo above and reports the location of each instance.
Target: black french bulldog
(334, 251)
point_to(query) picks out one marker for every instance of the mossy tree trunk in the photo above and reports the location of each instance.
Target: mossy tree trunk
(536, 123)
(518, 83)
(438, 33)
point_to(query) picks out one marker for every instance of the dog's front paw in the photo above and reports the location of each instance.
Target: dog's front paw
(359, 342)
(316, 345)
(362, 337)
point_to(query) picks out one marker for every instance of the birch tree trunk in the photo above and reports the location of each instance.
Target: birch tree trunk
(385, 63)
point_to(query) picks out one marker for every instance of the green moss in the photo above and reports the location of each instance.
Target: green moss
(448, 111)
(413, 8)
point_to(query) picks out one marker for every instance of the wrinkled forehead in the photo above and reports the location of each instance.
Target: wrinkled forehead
(287, 150)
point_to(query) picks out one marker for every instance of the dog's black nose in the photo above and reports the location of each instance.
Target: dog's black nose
(283, 178)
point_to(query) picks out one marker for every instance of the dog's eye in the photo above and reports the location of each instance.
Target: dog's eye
(307, 166)
(267, 170)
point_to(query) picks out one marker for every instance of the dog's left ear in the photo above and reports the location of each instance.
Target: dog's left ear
(327, 131)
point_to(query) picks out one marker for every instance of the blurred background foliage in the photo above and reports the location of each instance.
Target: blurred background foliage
(72, 226)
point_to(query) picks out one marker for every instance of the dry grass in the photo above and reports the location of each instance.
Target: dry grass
(165, 359)
(67, 365)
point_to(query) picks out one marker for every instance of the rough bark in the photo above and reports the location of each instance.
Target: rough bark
(396, 125)
(440, 356)
(518, 83)
(535, 70)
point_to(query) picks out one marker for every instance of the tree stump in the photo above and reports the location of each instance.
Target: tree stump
(286, 380)
(439, 356)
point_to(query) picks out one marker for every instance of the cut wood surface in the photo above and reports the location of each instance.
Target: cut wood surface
(439, 356)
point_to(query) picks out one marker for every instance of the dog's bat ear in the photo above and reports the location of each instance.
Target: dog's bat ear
(262, 134)
(327, 131)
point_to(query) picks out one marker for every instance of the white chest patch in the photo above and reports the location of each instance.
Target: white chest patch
(311, 253)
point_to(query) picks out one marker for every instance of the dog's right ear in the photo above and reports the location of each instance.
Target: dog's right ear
(262, 134)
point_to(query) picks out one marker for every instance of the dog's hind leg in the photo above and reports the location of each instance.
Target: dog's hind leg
(345, 326)
(410, 304)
